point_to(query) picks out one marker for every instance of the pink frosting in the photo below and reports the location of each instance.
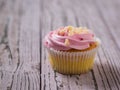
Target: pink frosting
(77, 41)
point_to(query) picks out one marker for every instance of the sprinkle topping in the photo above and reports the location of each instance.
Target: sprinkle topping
(73, 30)
(67, 43)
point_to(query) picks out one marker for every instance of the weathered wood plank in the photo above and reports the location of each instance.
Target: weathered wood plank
(20, 55)
(47, 75)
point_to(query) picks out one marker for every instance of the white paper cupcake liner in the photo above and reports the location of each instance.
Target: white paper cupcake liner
(72, 62)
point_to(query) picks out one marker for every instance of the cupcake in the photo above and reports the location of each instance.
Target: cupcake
(71, 50)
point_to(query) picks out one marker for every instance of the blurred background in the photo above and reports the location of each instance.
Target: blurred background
(23, 58)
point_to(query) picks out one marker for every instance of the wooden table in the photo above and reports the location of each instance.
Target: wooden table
(24, 61)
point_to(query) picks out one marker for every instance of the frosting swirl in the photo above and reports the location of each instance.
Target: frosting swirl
(69, 38)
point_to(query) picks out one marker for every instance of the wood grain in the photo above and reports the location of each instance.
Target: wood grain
(24, 63)
(20, 56)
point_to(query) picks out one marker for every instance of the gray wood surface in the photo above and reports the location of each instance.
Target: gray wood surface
(24, 61)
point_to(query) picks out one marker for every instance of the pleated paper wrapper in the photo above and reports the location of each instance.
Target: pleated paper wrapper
(72, 62)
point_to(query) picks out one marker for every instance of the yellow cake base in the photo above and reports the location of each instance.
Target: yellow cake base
(71, 66)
